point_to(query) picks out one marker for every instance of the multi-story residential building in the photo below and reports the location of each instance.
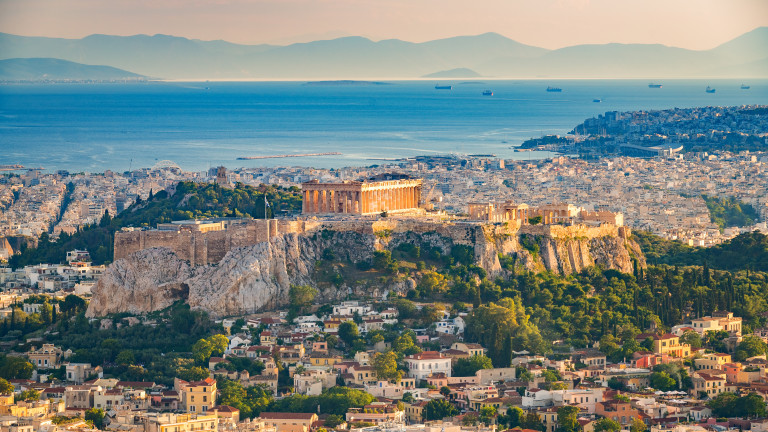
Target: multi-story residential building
(199, 396)
(719, 321)
(709, 384)
(46, 357)
(426, 363)
(617, 410)
(668, 344)
(712, 361)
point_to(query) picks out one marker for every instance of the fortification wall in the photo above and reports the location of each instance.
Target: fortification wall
(572, 231)
(195, 247)
(208, 248)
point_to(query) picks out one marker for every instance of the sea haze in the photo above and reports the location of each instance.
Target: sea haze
(116, 126)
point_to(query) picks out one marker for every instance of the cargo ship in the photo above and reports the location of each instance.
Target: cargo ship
(554, 89)
(442, 87)
(654, 85)
(709, 90)
(744, 87)
(487, 93)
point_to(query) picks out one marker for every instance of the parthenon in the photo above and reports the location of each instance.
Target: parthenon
(375, 195)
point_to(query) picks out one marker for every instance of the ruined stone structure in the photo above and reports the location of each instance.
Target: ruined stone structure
(198, 242)
(361, 197)
(498, 212)
(567, 214)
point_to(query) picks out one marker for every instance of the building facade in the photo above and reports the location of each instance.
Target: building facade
(371, 196)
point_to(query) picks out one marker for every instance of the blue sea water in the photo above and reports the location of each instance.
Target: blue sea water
(93, 127)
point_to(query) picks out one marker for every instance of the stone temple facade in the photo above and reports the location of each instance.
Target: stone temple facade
(379, 194)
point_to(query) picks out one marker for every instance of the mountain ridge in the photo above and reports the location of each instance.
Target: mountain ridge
(489, 54)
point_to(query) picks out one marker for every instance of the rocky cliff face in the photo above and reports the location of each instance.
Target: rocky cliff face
(259, 277)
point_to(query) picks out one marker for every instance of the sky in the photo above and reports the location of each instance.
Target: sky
(692, 24)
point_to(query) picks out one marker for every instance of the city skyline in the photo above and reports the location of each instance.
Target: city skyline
(549, 24)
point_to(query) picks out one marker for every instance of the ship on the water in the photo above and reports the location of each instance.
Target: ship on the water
(709, 90)
(443, 87)
(652, 85)
(744, 87)
(554, 89)
(487, 93)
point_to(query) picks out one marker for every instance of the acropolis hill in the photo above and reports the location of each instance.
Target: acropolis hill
(233, 266)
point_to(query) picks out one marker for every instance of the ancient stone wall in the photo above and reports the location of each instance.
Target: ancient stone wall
(210, 247)
(195, 247)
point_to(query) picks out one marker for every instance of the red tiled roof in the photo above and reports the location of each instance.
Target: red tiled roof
(426, 355)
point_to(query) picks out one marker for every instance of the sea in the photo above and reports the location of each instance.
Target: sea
(197, 125)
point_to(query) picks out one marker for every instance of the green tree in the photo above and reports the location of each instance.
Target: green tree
(567, 419)
(514, 417)
(194, 373)
(333, 420)
(28, 395)
(386, 366)
(607, 425)
(405, 344)
(301, 297)
(407, 397)
(125, 357)
(750, 346)
(6, 387)
(637, 425)
(348, 332)
(438, 409)
(662, 381)
(532, 421)
(487, 414)
(431, 284)
(201, 350)
(468, 366)
(219, 344)
(15, 368)
(96, 416)
(691, 338)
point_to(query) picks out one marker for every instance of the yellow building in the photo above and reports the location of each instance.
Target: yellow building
(47, 357)
(414, 412)
(323, 359)
(200, 396)
(670, 345)
(712, 361)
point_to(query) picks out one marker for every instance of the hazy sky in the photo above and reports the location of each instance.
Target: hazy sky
(694, 24)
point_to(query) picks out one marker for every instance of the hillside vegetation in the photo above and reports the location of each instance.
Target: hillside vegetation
(189, 201)
(748, 251)
(730, 212)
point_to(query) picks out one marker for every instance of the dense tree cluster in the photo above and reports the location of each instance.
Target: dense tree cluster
(729, 212)
(748, 251)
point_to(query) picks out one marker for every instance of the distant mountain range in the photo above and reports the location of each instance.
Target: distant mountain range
(488, 55)
(48, 69)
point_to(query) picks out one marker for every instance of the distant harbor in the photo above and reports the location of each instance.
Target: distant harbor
(11, 167)
(288, 155)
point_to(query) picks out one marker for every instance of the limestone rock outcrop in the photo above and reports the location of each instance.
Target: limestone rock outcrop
(258, 277)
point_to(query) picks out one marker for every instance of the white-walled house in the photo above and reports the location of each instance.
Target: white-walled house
(427, 363)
